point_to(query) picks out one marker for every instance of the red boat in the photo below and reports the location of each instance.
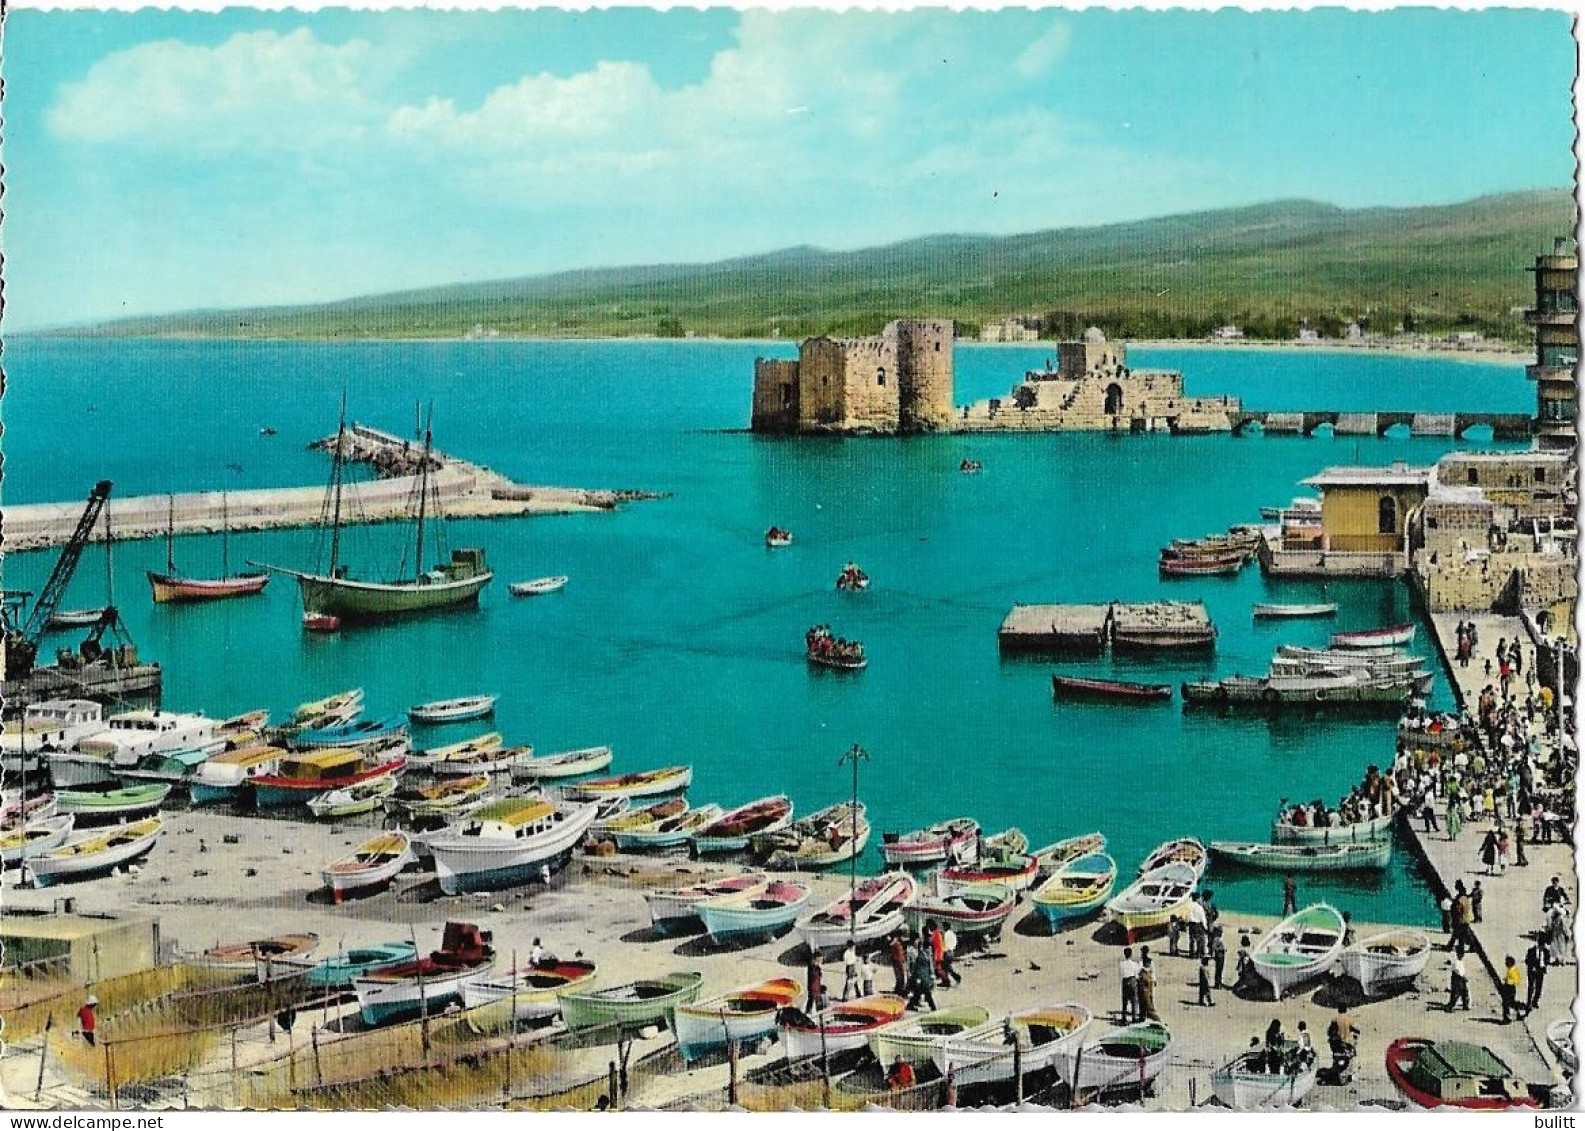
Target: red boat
(1074, 687)
(320, 622)
(170, 588)
(1203, 567)
(1454, 1074)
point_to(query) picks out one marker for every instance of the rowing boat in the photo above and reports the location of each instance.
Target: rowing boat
(100, 807)
(1016, 870)
(644, 783)
(1202, 567)
(873, 910)
(507, 843)
(425, 986)
(1243, 1083)
(841, 843)
(453, 710)
(764, 911)
(1275, 611)
(730, 831)
(567, 764)
(916, 1041)
(365, 797)
(1392, 958)
(532, 993)
(34, 838)
(1373, 829)
(1154, 898)
(633, 1005)
(95, 853)
(75, 618)
(338, 971)
(446, 796)
(1058, 853)
(1319, 688)
(1183, 850)
(839, 1028)
(1439, 1074)
(1393, 636)
(340, 707)
(1126, 1060)
(1560, 1039)
(373, 864)
(985, 1055)
(247, 955)
(538, 587)
(674, 908)
(1304, 945)
(980, 910)
(1076, 889)
(923, 847)
(666, 832)
(744, 1016)
(359, 732)
(435, 757)
(1365, 856)
(839, 663)
(1110, 690)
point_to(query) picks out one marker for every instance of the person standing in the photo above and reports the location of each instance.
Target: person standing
(1218, 953)
(1476, 897)
(867, 975)
(88, 1020)
(1147, 991)
(1457, 981)
(1521, 833)
(949, 947)
(1447, 918)
(1510, 990)
(1290, 896)
(921, 988)
(933, 933)
(1205, 983)
(1128, 983)
(1174, 931)
(852, 981)
(814, 981)
(1196, 927)
(1535, 973)
(899, 956)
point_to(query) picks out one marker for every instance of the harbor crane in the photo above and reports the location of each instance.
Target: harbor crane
(22, 636)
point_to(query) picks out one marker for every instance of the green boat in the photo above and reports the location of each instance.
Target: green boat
(106, 807)
(635, 1005)
(916, 1041)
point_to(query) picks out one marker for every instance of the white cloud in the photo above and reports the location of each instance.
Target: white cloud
(1044, 53)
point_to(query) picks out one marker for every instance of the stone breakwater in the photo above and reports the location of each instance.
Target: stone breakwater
(461, 490)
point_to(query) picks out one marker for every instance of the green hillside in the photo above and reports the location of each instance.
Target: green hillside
(1263, 267)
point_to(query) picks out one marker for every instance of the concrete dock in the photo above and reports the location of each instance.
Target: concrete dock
(1090, 629)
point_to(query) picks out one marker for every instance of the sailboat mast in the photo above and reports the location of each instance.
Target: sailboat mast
(423, 492)
(225, 536)
(170, 534)
(335, 479)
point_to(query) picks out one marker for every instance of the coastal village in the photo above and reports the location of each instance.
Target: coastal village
(444, 918)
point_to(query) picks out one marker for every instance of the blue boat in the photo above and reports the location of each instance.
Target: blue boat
(1078, 888)
(338, 971)
(356, 733)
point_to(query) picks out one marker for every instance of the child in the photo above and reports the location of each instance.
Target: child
(1205, 982)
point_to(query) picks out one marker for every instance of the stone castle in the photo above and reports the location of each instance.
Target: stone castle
(898, 382)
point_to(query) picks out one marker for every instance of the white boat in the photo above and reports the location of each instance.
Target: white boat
(934, 845)
(48, 725)
(96, 852)
(1375, 828)
(364, 797)
(453, 710)
(673, 908)
(373, 864)
(227, 774)
(873, 911)
(567, 764)
(1274, 611)
(1393, 636)
(744, 1016)
(507, 843)
(1054, 855)
(342, 707)
(430, 760)
(667, 831)
(1244, 1085)
(1154, 898)
(1560, 1039)
(1184, 850)
(425, 985)
(1304, 945)
(75, 618)
(841, 1027)
(35, 838)
(1392, 958)
(1124, 1060)
(537, 587)
(532, 993)
(764, 911)
(129, 737)
(492, 760)
(642, 783)
(916, 1040)
(1372, 855)
(985, 1055)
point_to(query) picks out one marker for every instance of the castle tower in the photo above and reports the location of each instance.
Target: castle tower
(924, 365)
(1556, 346)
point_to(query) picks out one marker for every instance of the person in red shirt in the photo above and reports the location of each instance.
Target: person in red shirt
(87, 1021)
(901, 1076)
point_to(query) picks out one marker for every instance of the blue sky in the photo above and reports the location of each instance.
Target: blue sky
(168, 160)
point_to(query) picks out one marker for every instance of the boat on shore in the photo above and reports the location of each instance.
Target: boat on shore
(797, 852)
(48, 725)
(365, 797)
(1058, 853)
(1183, 850)
(663, 831)
(94, 853)
(1305, 945)
(538, 587)
(634, 1005)
(947, 840)
(35, 837)
(741, 1017)
(915, 1041)
(112, 806)
(1436, 1074)
(873, 910)
(974, 912)
(247, 955)
(1268, 612)
(730, 832)
(229, 775)
(566, 764)
(1109, 690)
(839, 1028)
(1560, 1039)
(674, 908)
(532, 993)
(431, 760)
(496, 760)
(984, 1055)
(1364, 856)
(507, 843)
(453, 710)
(442, 798)
(339, 970)
(1124, 1061)
(1243, 1083)
(1076, 889)
(332, 709)
(1392, 636)
(1016, 870)
(1154, 898)
(126, 739)
(358, 732)
(301, 777)
(427, 985)
(761, 912)
(370, 866)
(1390, 959)
(643, 783)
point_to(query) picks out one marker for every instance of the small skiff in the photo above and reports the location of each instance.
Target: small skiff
(1013, 869)
(838, 663)
(1076, 889)
(916, 1041)
(94, 853)
(338, 971)
(246, 955)
(1390, 959)
(985, 1055)
(1109, 690)
(1126, 1060)
(1393, 636)
(1264, 612)
(360, 732)
(340, 707)
(873, 911)
(249, 722)
(496, 760)
(1304, 945)
(924, 847)
(644, 783)
(1058, 853)
(320, 622)
(972, 912)
(1454, 1074)
(1560, 1039)
(1202, 567)
(567, 764)
(99, 807)
(765, 911)
(15, 811)
(425, 986)
(446, 796)
(1154, 898)
(372, 865)
(365, 797)
(671, 909)
(436, 756)
(839, 1028)
(532, 993)
(1374, 829)
(638, 818)
(1184, 850)
(744, 1016)
(538, 587)
(633, 1005)
(1244, 1084)
(667, 832)
(811, 853)
(36, 837)
(778, 539)
(453, 710)
(1365, 856)
(75, 618)
(730, 831)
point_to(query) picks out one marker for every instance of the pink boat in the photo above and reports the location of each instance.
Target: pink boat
(669, 910)
(1393, 636)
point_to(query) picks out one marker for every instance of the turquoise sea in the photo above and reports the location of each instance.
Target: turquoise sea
(680, 636)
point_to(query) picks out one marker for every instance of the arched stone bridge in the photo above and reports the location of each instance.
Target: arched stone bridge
(1503, 425)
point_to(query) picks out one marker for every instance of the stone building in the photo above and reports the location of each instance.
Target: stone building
(1556, 346)
(900, 381)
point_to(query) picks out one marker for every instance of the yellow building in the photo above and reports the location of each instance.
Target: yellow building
(1366, 510)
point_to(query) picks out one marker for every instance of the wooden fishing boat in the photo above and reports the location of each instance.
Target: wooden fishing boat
(855, 663)
(1266, 612)
(1382, 660)
(744, 1016)
(671, 909)
(508, 842)
(638, 818)
(358, 732)
(1109, 690)
(453, 710)
(532, 993)
(338, 971)
(1183, 850)
(872, 911)
(974, 912)
(1154, 898)
(1454, 1074)
(643, 783)
(666, 832)
(300, 777)
(320, 622)
(448, 795)
(924, 847)
(425, 985)
(1077, 888)
(339, 707)
(1008, 841)
(94, 853)
(101, 807)
(435, 757)
(1202, 567)
(171, 586)
(16, 812)
(841, 843)
(1054, 855)
(730, 831)
(567, 764)
(365, 797)
(1392, 958)
(1016, 870)
(778, 539)
(246, 955)
(34, 838)
(1374, 829)
(1123, 1061)
(538, 587)
(1393, 636)
(1370, 856)
(1560, 1039)
(76, 618)
(370, 866)
(1305, 945)
(249, 723)
(495, 760)
(839, 1028)
(762, 912)
(985, 1055)
(915, 1041)
(1243, 1083)
(633, 1005)
(1317, 689)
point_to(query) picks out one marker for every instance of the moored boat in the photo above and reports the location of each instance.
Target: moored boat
(320, 622)
(75, 618)
(358, 732)
(1304, 945)
(974, 912)
(425, 985)
(1016, 870)
(1109, 690)
(94, 853)
(1360, 689)
(1392, 958)
(633, 1005)
(507, 843)
(1454, 1074)
(764, 911)
(730, 832)
(1125, 1060)
(453, 710)
(434, 758)
(48, 725)
(934, 845)
(1293, 611)
(493, 760)
(839, 1028)
(985, 1055)
(1154, 898)
(1372, 829)
(915, 1041)
(665, 832)
(538, 587)
(1393, 636)
(372, 865)
(873, 910)
(109, 806)
(743, 1016)
(566, 764)
(674, 908)
(1183, 850)
(172, 586)
(800, 852)
(1222, 566)
(531, 993)
(365, 797)
(338, 971)
(1364, 856)
(1243, 1083)
(1077, 888)
(643, 783)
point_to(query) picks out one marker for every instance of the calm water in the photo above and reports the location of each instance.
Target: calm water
(679, 638)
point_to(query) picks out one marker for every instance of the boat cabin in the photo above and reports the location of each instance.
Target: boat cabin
(52, 722)
(514, 818)
(464, 941)
(132, 735)
(322, 765)
(1456, 1070)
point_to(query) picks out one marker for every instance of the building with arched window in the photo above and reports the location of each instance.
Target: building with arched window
(1366, 510)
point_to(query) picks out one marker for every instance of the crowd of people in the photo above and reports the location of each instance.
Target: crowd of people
(852, 578)
(823, 644)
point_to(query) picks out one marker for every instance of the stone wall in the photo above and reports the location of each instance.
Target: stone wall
(1450, 526)
(822, 384)
(1502, 581)
(924, 358)
(1090, 357)
(775, 395)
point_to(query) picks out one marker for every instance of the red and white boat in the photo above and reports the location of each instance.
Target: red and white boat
(1393, 636)
(1454, 1074)
(1076, 687)
(873, 911)
(1202, 567)
(846, 1026)
(922, 847)
(171, 587)
(320, 622)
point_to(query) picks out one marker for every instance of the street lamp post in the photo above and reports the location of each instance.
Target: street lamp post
(855, 756)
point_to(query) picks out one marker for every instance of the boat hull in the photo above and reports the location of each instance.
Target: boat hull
(1377, 828)
(381, 1002)
(56, 869)
(170, 589)
(465, 864)
(654, 1003)
(368, 601)
(983, 1057)
(1378, 972)
(1243, 1090)
(723, 922)
(1369, 856)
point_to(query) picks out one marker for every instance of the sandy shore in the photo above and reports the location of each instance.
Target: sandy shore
(1489, 354)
